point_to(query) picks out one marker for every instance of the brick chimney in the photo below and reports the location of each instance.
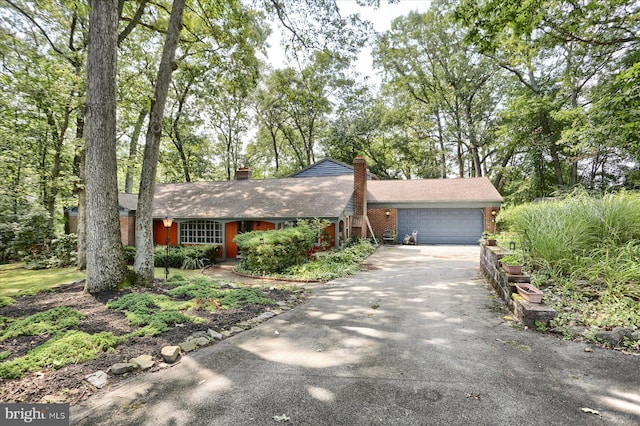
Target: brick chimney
(243, 173)
(359, 197)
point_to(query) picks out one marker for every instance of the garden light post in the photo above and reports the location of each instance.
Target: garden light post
(167, 221)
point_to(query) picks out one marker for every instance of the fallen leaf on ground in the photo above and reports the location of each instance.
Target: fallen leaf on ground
(472, 395)
(590, 411)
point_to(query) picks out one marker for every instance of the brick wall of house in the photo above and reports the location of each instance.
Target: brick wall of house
(489, 224)
(127, 228)
(380, 222)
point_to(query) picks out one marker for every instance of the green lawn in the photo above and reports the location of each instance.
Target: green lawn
(14, 279)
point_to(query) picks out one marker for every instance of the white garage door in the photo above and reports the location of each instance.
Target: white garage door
(441, 226)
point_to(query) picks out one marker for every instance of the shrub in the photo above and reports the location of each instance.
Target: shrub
(129, 254)
(269, 252)
(57, 253)
(186, 257)
(32, 230)
(335, 264)
(7, 236)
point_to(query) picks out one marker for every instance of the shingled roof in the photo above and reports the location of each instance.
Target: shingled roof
(128, 201)
(322, 197)
(428, 191)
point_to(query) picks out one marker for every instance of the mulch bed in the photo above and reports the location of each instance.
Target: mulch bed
(67, 384)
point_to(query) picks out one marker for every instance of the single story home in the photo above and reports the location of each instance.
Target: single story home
(354, 201)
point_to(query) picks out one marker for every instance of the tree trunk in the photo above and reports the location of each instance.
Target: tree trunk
(443, 150)
(144, 215)
(79, 190)
(133, 152)
(105, 260)
(58, 135)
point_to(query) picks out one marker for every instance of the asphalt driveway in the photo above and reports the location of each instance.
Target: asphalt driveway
(416, 340)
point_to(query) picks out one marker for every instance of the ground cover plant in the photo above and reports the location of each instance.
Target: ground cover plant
(584, 252)
(49, 341)
(324, 266)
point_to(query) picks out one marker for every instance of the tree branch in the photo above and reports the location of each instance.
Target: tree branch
(133, 22)
(34, 22)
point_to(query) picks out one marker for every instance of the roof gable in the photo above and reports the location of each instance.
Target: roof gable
(328, 167)
(324, 167)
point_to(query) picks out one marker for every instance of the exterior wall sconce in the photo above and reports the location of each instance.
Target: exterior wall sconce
(167, 222)
(493, 216)
(387, 212)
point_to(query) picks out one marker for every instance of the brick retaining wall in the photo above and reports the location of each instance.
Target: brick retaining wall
(504, 285)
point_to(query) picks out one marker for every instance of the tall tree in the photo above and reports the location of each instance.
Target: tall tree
(425, 56)
(556, 50)
(144, 264)
(105, 260)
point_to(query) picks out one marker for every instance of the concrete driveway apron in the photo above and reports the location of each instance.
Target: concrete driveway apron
(415, 340)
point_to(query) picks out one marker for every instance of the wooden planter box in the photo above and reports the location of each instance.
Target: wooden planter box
(529, 292)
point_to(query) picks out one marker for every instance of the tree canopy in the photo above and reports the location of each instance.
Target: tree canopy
(540, 96)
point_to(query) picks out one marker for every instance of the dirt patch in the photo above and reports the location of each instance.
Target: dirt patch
(67, 384)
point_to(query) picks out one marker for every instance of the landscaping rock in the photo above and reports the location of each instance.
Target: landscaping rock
(54, 399)
(170, 353)
(615, 336)
(635, 336)
(232, 331)
(214, 334)
(197, 335)
(623, 332)
(97, 379)
(122, 368)
(144, 362)
(265, 316)
(201, 341)
(188, 346)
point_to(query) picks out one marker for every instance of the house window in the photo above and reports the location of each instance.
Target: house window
(201, 232)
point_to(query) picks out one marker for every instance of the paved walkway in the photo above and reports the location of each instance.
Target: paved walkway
(417, 340)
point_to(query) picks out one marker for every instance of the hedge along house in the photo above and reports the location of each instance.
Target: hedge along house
(443, 211)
